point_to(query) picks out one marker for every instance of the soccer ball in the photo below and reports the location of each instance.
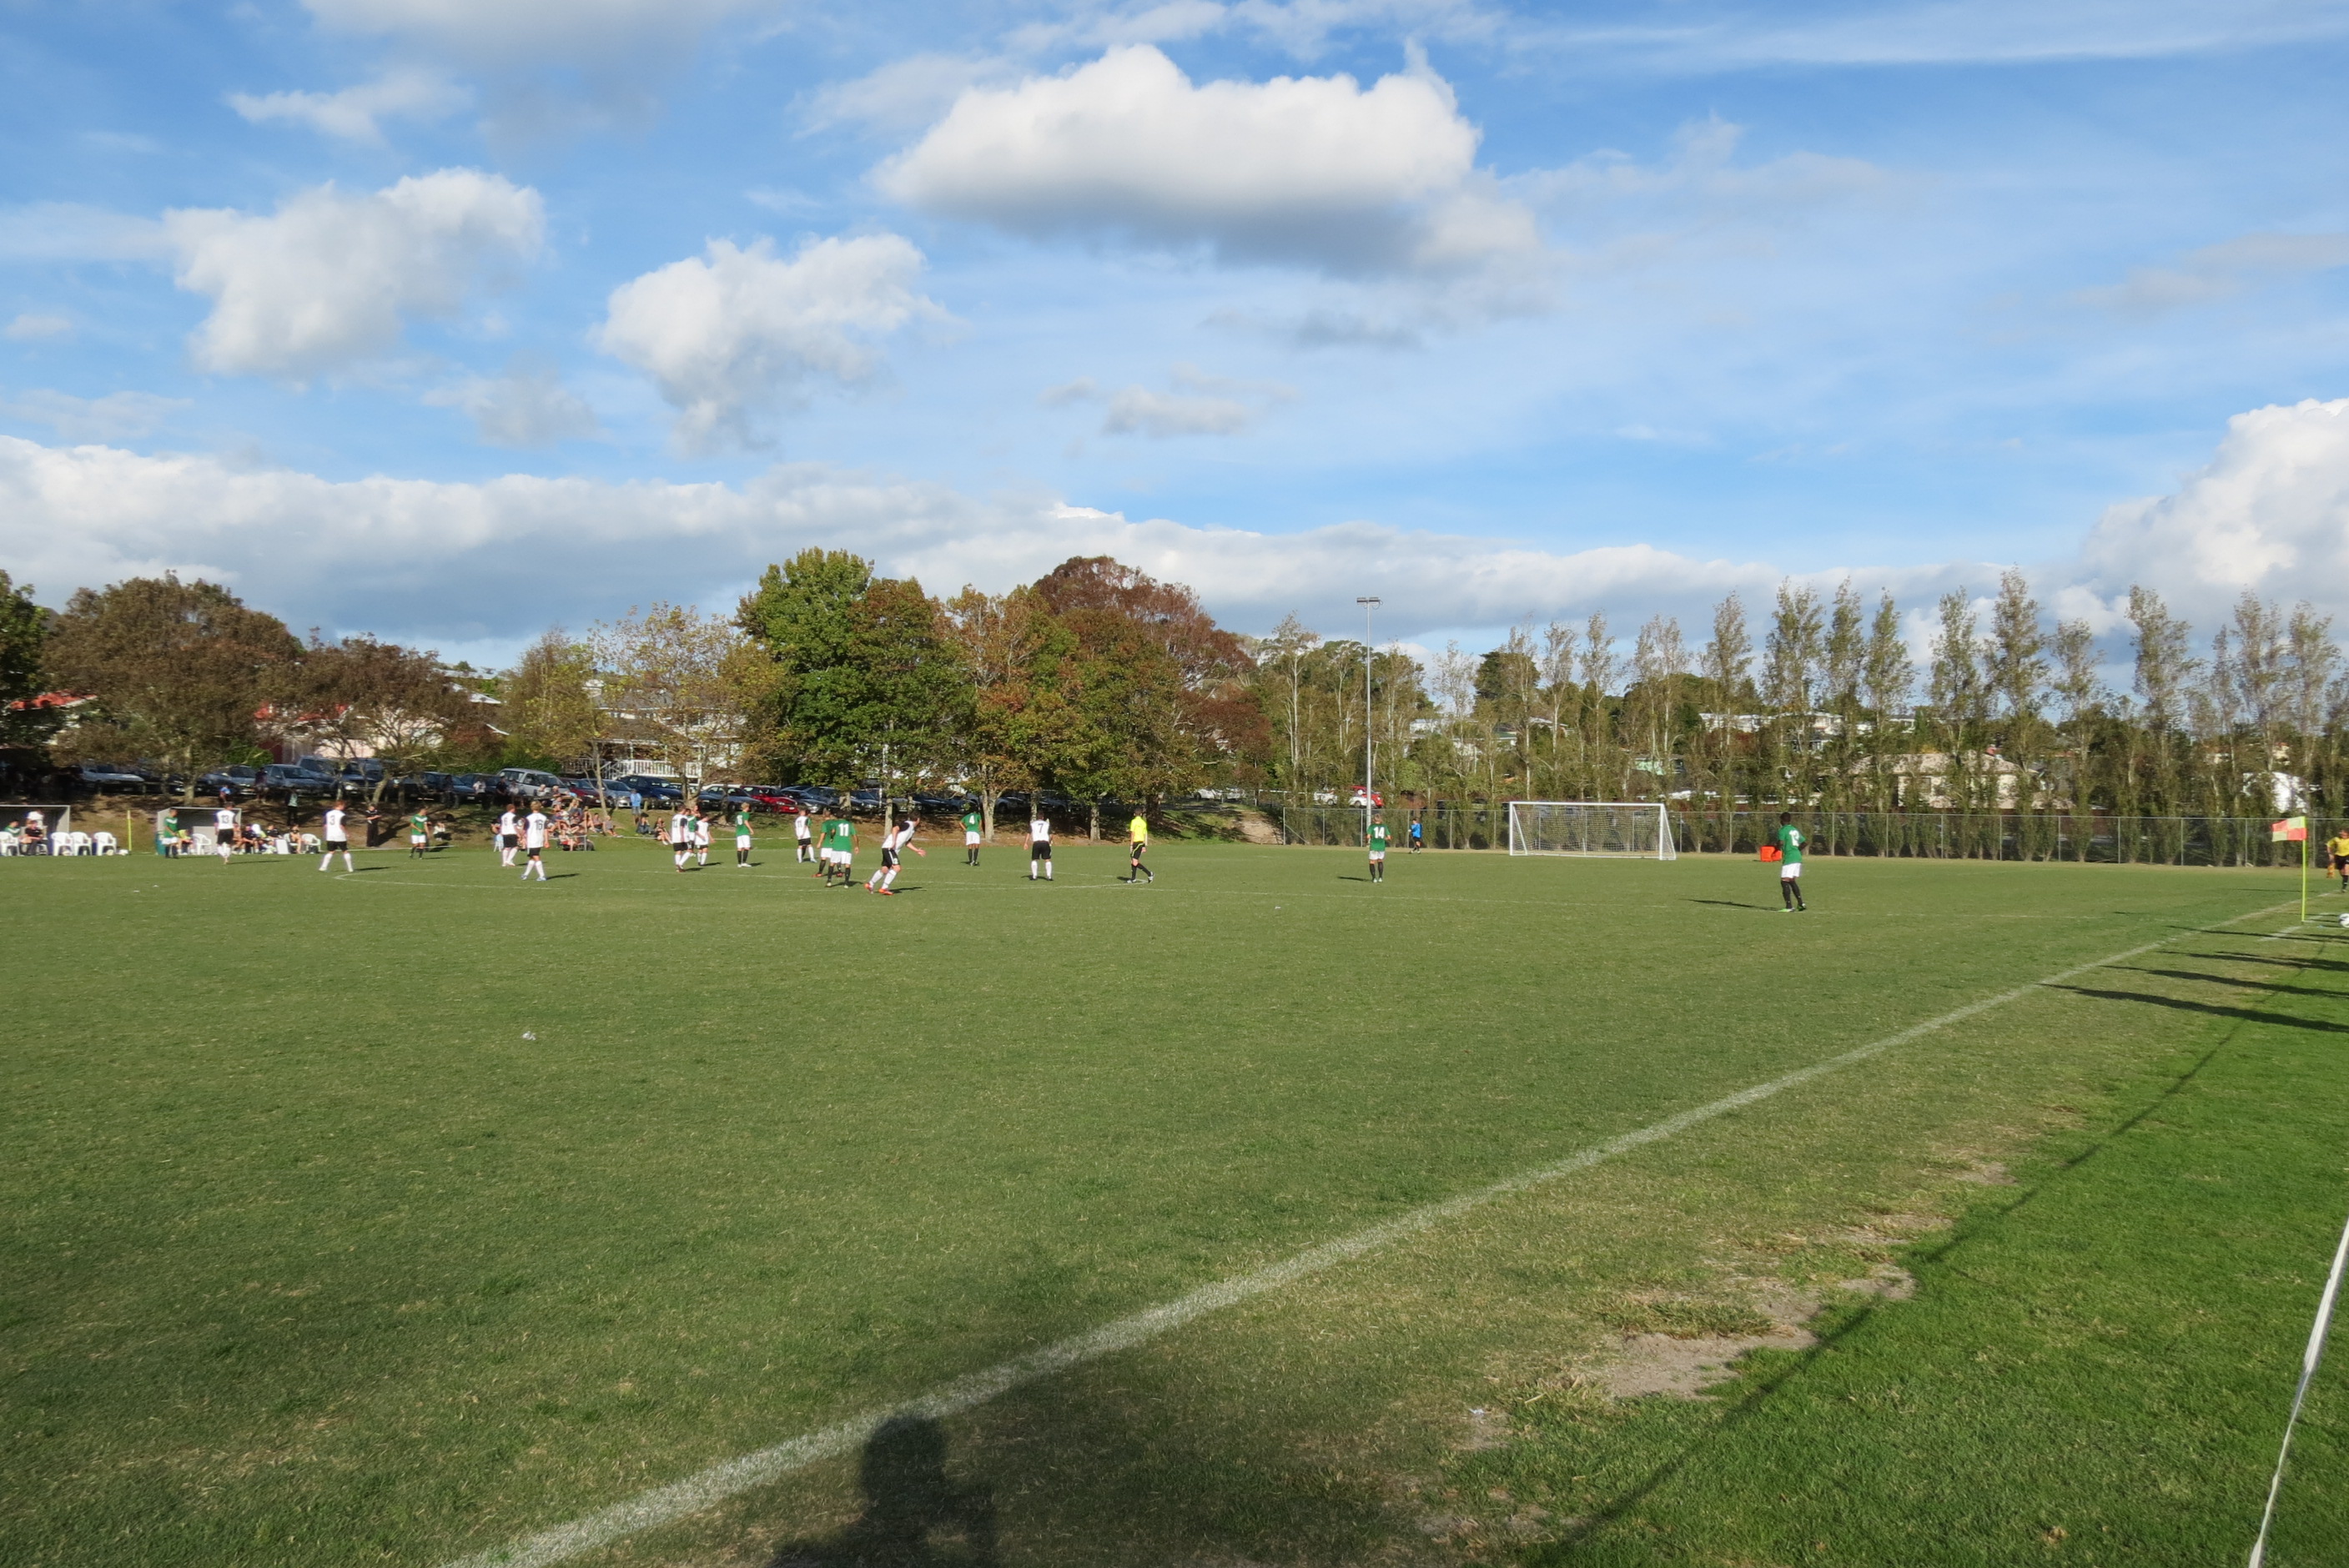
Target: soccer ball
(2344, 920)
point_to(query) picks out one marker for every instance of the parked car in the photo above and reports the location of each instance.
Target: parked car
(112, 777)
(813, 797)
(865, 801)
(238, 780)
(1366, 797)
(292, 777)
(653, 792)
(771, 798)
(528, 783)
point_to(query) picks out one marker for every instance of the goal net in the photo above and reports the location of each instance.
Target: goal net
(1591, 828)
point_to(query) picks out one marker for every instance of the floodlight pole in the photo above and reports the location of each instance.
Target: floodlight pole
(1370, 730)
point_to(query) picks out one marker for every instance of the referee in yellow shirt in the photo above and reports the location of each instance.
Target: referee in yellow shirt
(2337, 847)
(1137, 840)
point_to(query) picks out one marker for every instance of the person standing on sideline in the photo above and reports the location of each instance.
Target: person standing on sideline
(533, 844)
(508, 837)
(974, 824)
(224, 829)
(742, 838)
(680, 836)
(1418, 835)
(1137, 841)
(1378, 850)
(419, 834)
(167, 838)
(339, 838)
(801, 832)
(1039, 845)
(2337, 849)
(1790, 841)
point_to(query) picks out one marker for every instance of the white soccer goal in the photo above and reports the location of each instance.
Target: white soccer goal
(1627, 829)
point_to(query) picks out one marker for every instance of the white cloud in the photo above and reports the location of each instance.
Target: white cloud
(1699, 179)
(327, 280)
(71, 232)
(1946, 33)
(1204, 404)
(355, 114)
(504, 558)
(528, 32)
(2217, 271)
(730, 334)
(1316, 170)
(2269, 513)
(904, 94)
(31, 328)
(1137, 410)
(118, 416)
(527, 407)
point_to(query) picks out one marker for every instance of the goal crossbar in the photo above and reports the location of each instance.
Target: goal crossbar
(1628, 829)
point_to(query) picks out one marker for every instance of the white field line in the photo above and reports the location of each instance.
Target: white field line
(664, 1505)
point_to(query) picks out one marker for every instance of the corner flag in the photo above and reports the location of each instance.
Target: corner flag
(2294, 831)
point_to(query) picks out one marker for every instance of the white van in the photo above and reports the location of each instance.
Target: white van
(528, 783)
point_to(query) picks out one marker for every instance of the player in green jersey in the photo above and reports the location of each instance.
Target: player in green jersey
(1378, 852)
(742, 838)
(843, 834)
(419, 835)
(974, 825)
(1790, 841)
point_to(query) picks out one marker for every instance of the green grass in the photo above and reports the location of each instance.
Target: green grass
(383, 1218)
(2094, 1369)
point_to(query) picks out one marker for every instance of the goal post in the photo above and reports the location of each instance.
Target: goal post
(1624, 830)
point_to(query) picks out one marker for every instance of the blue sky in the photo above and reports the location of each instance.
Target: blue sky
(450, 320)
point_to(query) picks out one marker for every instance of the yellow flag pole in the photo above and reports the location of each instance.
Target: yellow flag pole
(2303, 872)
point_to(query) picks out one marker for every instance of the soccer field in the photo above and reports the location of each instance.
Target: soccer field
(397, 1216)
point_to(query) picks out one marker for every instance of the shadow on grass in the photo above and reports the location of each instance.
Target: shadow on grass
(2216, 1010)
(1144, 1458)
(2276, 986)
(1731, 904)
(1751, 1392)
(2336, 965)
(915, 1515)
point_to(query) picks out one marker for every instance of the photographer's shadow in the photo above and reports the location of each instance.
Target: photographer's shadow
(915, 1515)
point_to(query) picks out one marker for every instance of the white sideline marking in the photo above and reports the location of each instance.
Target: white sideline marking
(664, 1505)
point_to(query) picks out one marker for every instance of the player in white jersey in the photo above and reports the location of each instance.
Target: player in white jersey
(1040, 846)
(701, 837)
(534, 844)
(339, 838)
(508, 837)
(680, 835)
(806, 837)
(896, 839)
(224, 832)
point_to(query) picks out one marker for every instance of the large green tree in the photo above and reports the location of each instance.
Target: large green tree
(179, 673)
(23, 631)
(867, 680)
(361, 697)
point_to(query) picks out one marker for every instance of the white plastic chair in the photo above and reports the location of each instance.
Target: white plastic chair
(102, 844)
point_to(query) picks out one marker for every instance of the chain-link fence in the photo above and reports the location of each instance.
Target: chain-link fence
(1922, 835)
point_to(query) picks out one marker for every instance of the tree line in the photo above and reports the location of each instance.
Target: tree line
(1101, 683)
